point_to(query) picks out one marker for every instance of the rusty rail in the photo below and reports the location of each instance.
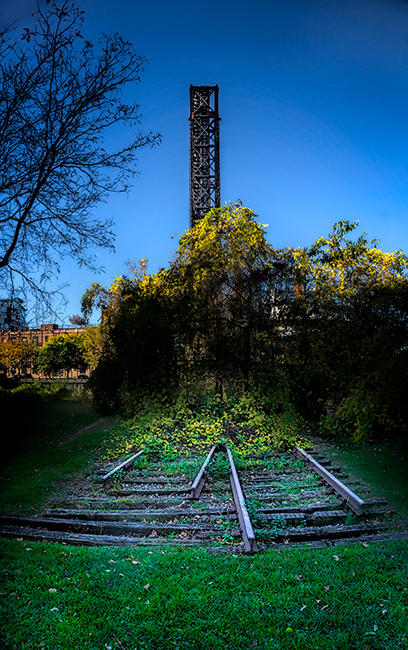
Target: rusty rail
(248, 535)
(356, 504)
(198, 484)
(125, 463)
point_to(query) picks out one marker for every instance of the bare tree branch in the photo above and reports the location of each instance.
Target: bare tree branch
(60, 96)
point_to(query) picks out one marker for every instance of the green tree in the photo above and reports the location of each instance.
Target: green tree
(207, 316)
(348, 327)
(92, 345)
(17, 354)
(61, 354)
(226, 268)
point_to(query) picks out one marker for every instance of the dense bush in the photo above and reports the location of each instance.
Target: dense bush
(197, 420)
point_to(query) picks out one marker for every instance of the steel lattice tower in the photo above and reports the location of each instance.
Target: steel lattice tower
(204, 151)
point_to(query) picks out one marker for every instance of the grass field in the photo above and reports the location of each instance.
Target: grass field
(60, 597)
(383, 466)
(68, 597)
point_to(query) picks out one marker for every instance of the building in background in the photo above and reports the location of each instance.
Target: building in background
(12, 314)
(41, 336)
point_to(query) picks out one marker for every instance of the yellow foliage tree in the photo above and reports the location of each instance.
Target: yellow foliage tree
(18, 355)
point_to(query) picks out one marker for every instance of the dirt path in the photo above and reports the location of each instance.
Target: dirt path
(74, 435)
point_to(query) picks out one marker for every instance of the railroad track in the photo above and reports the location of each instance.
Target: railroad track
(246, 504)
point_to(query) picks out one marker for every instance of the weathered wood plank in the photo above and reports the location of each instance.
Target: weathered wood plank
(310, 518)
(146, 491)
(306, 509)
(125, 515)
(154, 480)
(329, 532)
(341, 541)
(278, 477)
(84, 539)
(278, 496)
(105, 527)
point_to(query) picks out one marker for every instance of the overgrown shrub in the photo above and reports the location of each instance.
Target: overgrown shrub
(354, 418)
(364, 415)
(194, 422)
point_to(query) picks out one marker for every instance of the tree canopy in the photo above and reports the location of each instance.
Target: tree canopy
(17, 354)
(61, 354)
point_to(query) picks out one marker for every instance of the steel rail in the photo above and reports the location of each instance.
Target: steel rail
(125, 463)
(248, 535)
(199, 480)
(357, 505)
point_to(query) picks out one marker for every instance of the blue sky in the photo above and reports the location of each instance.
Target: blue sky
(313, 101)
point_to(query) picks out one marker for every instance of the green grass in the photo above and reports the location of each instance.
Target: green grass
(382, 466)
(60, 597)
(346, 597)
(39, 455)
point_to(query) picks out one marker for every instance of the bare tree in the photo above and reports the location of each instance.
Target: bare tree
(60, 96)
(78, 321)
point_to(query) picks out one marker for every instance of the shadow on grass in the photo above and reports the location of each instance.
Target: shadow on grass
(383, 466)
(36, 450)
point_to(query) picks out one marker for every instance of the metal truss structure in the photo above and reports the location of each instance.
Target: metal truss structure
(204, 151)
